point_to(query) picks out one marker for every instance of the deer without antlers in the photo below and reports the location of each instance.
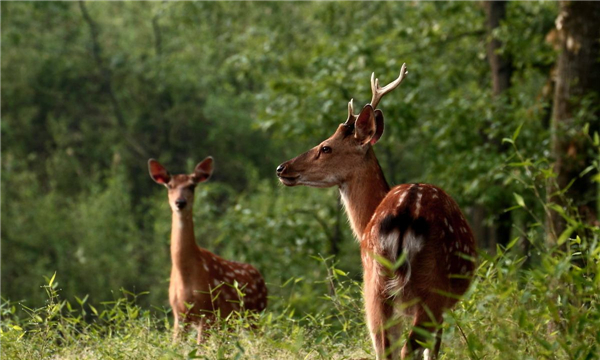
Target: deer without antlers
(202, 283)
(419, 223)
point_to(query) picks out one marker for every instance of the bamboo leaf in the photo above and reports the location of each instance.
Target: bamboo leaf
(519, 200)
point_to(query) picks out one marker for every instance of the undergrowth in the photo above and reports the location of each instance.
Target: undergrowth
(550, 311)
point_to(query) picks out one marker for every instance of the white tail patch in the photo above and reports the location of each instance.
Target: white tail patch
(427, 355)
(411, 246)
(390, 243)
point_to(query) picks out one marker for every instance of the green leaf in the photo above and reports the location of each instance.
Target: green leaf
(93, 310)
(587, 170)
(517, 132)
(512, 243)
(52, 279)
(519, 200)
(565, 235)
(339, 272)
(512, 208)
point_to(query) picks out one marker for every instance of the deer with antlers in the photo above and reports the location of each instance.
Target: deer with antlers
(203, 285)
(417, 249)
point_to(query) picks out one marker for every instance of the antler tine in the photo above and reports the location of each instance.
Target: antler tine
(378, 92)
(351, 116)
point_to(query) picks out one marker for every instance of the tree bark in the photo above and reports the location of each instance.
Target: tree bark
(577, 82)
(501, 65)
(501, 71)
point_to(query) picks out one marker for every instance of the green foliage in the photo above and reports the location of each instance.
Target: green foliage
(253, 85)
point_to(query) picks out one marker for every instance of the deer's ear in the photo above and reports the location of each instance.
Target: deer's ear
(365, 126)
(378, 126)
(158, 172)
(203, 170)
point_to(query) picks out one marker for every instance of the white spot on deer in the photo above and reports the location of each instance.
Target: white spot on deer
(401, 200)
(446, 221)
(216, 282)
(205, 266)
(466, 248)
(249, 290)
(450, 228)
(435, 196)
(262, 304)
(419, 196)
(463, 269)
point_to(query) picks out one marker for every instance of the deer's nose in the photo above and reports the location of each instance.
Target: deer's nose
(280, 169)
(180, 203)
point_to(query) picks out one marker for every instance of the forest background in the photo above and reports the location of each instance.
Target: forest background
(500, 108)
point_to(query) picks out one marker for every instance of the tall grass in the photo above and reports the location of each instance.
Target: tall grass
(550, 311)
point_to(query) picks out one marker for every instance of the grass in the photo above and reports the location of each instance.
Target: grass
(512, 311)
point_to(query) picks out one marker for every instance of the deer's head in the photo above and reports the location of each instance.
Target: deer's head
(336, 159)
(181, 187)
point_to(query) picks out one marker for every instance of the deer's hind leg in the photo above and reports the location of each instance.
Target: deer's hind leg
(379, 312)
(413, 349)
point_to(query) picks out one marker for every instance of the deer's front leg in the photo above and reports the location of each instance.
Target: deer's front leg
(175, 327)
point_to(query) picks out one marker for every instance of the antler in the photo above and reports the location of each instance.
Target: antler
(351, 116)
(378, 92)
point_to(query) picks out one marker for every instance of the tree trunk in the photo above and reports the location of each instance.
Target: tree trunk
(501, 65)
(578, 79)
(501, 70)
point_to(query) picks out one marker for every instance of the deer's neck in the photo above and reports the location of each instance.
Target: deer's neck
(362, 193)
(183, 241)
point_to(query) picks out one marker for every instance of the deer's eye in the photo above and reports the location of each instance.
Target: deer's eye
(326, 150)
(191, 187)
